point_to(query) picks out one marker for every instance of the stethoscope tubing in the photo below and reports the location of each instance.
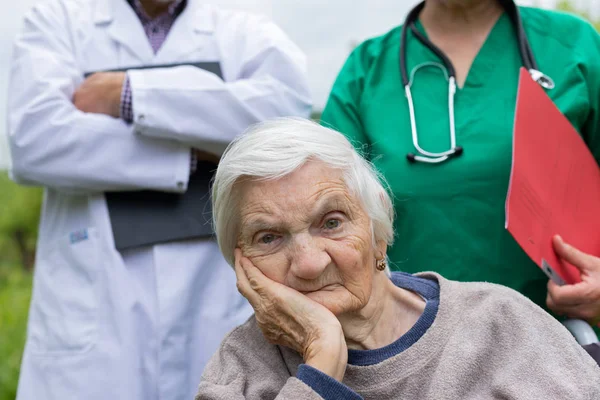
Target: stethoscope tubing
(526, 56)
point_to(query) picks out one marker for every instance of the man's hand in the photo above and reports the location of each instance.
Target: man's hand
(100, 94)
(581, 300)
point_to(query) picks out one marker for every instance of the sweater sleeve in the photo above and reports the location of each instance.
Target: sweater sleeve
(293, 389)
(246, 366)
(327, 387)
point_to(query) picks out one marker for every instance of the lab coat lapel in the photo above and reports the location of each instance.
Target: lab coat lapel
(191, 32)
(125, 28)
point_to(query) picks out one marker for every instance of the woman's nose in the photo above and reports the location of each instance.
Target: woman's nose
(309, 258)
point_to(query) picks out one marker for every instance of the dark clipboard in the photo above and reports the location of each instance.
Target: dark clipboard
(209, 66)
(147, 217)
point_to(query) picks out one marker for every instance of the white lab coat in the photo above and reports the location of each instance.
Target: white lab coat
(139, 324)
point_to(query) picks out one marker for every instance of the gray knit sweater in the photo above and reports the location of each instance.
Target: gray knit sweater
(486, 342)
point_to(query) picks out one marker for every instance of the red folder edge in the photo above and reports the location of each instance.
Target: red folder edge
(536, 238)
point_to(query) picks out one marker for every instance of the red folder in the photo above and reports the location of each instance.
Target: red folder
(554, 184)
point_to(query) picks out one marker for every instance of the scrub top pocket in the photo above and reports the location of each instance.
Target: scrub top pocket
(63, 314)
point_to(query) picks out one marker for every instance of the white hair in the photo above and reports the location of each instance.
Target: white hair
(276, 148)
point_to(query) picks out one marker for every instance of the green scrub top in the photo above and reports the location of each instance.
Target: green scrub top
(450, 216)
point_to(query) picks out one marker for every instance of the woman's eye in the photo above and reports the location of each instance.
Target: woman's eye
(268, 238)
(332, 223)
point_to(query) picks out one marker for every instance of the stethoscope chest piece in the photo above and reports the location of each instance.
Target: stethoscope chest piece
(412, 157)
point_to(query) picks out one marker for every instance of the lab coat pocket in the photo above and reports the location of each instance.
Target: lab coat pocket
(64, 307)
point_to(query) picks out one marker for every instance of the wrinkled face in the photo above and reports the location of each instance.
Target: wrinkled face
(308, 232)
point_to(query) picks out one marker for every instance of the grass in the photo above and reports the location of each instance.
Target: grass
(15, 294)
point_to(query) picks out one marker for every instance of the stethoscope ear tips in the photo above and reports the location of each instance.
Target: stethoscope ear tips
(457, 151)
(410, 157)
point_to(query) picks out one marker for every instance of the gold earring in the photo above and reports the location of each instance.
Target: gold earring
(381, 264)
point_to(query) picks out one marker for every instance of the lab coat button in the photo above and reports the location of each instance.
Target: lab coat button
(180, 185)
(141, 118)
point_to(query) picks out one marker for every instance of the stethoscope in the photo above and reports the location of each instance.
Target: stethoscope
(448, 69)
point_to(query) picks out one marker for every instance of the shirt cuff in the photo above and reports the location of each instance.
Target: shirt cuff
(327, 387)
(126, 101)
(182, 171)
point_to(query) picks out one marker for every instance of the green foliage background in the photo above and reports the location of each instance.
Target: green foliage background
(15, 292)
(567, 6)
(19, 215)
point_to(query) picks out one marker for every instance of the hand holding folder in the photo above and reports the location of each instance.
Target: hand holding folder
(554, 186)
(580, 300)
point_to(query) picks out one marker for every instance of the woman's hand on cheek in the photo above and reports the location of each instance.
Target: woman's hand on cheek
(289, 318)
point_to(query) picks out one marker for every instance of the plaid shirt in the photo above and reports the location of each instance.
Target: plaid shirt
(156, 30)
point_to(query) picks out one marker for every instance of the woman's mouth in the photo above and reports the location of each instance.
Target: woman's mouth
(326, 288)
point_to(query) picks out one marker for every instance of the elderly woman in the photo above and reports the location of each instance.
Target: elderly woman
(306, 223)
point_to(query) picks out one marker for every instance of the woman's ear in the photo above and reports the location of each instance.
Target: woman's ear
(380, 249)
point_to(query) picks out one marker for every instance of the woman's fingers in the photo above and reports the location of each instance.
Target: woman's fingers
(285, 316)
(243, 284)
(256, 279)
(570, 254)
(580, 300)
(586, 312)
(271, 311)
(570, 295)
(255, 286)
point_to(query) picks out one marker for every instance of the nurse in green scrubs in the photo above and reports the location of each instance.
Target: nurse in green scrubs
(450, 215)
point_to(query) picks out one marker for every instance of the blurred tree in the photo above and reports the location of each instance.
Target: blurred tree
(568, 6)
(19, 218)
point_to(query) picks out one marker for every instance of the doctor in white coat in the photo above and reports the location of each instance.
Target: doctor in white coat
(139, 323)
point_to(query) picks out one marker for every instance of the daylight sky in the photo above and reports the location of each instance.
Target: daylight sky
(325, 30)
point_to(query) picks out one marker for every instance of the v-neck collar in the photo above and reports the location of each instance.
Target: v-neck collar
(429, 290)
(486, 59)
